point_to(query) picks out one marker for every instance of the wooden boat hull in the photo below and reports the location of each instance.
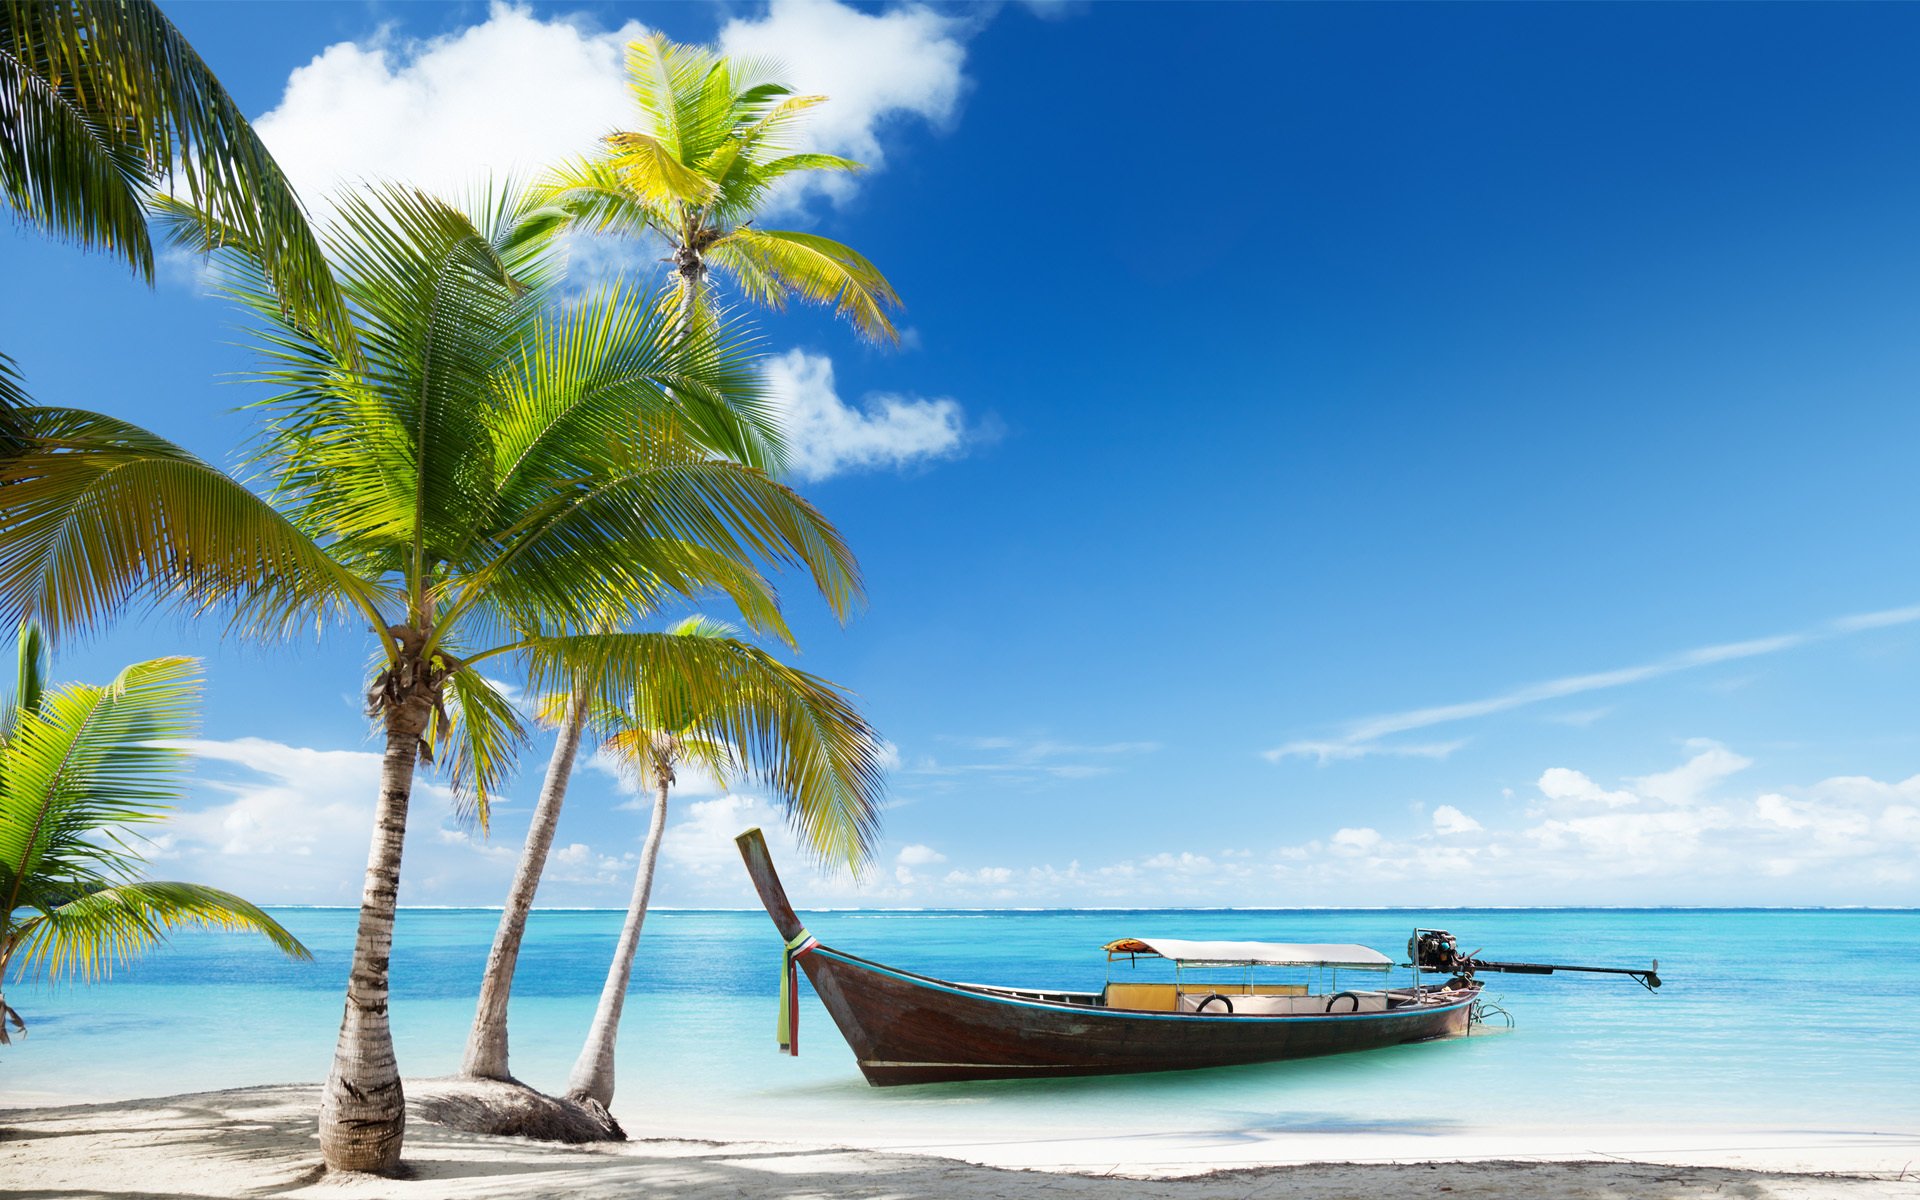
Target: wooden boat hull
(907, 1028)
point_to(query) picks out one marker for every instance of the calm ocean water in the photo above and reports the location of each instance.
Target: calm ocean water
(1797, 1020)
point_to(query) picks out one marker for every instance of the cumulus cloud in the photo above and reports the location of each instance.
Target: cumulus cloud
(1670, 837)
(989, 876)
(1355, 841)
(917, 855)
(876, 69)
(508, 96)
(1563, 784)
(519, 91)
(1686, 783)
(291, 824)
(690, 780)
(826, 436)
(285, 824)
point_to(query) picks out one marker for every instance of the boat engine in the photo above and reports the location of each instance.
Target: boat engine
(1438, 951)
(1434, 950)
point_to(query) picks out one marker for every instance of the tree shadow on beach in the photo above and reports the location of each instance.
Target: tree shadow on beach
(261, 1143)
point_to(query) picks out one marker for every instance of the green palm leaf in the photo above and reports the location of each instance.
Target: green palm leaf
(771, 263)
(91, 934)
(485, 735)
(799, 735)
(102, 103)
(713, 150)
(87, 758)
(98, 513)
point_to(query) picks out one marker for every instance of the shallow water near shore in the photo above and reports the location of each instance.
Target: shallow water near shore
(1789, 1020)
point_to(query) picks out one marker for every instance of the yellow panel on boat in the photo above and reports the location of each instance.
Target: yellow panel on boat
(1142, 997)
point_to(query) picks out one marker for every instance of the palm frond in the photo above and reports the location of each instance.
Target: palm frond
(98, 514)
(13, 398)
(665, 79)
(101, 101)
(794, 164)
(30, 678)
(797, 733)
(596, 385)
(771, 126)
(91, 934)
(648, 168)
(485, 735)
(592, 194)
(816, 269)
(88, 758)
(391, 461)
(592, 549)
(76, 173)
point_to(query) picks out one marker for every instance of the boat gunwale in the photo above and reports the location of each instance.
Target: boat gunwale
(970, 991)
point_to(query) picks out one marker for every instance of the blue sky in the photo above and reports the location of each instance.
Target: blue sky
(1340, 454)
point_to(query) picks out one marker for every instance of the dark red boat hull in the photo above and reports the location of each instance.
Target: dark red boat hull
(907, 1028)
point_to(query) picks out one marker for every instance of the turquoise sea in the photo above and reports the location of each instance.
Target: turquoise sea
(1796, 1020)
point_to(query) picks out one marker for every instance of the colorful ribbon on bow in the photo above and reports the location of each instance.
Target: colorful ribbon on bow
(787, 1028)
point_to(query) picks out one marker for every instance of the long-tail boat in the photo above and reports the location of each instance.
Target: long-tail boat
(909, 1028)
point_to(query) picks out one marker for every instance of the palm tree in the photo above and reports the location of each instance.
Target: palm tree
(488, 482)
(102, 104)
(797, 733)
(82, 768)
(710, 157)
(713, 149)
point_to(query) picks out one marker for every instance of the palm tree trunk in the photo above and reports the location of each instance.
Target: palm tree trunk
(363, 1112)
(690, 269)
(486, 1056)
(592, 1077)
(7, 1015)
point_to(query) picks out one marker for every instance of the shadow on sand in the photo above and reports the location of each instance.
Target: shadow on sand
(259, 1142)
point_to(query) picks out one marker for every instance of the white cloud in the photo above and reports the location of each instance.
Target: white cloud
(1355, 841)
(1573, 787)
(917, 855)
(984, 876)
(1183, 863)
(826, 436)
(1775, 809)
(690, 780)
(518, 92)
(1026, 760)
(1711, 763)
(1581, 718)
(875, 69)
(1335, 751)
(291, 824)
(508, 96)
(1363, 738)
(1844, 840)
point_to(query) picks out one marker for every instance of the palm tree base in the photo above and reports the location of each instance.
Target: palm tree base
(509, 1108)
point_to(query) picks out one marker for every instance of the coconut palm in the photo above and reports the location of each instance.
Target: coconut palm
(714, 147)
(82, 769)
(792, 732)
(484, 486)
(103, 103)
(710, 156)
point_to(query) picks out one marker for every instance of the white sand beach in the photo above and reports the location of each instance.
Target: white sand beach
(258, 1141)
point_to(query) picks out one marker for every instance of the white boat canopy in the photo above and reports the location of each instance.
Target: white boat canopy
(1254, 954)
